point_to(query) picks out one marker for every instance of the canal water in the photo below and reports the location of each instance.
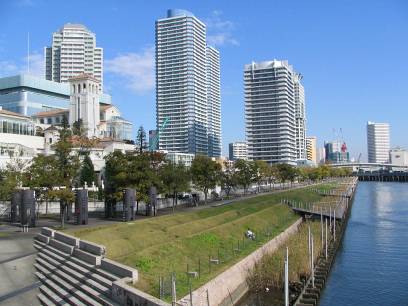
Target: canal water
(371, 267)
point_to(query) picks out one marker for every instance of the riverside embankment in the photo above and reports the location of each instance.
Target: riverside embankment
(268, 274)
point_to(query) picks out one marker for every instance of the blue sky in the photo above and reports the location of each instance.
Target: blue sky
(353, 55)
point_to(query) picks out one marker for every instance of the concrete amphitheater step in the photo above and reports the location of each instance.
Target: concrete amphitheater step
(81, 293)
(53, 251)
(62, 246)
(80, 285)
(44, 301)
(56, 294)
(85, 272)
(53, 264)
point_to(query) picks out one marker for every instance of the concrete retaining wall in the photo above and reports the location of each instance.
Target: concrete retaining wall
(127, 295)
(230, 285)
(119, 269)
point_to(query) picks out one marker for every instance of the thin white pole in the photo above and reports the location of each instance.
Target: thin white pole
(330, 213)
(287, 278)
(334, 225)
(28, 52)
(309, 246)
(321, 223)
(326, 239)
(312, 263)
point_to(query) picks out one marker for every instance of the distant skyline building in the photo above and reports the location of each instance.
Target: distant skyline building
(274, 112)
(153, 143)
(187, 86)
(399, 157)
(378, 142)
(336, 152)
(311, 149)
(73, 52)
(238, 150)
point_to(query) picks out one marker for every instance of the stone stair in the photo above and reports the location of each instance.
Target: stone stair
(75, 272)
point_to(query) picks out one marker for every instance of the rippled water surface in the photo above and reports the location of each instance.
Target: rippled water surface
(371, 267)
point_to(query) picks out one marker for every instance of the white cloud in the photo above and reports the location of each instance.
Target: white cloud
(136, 68)
(8, 68)
(220, 32)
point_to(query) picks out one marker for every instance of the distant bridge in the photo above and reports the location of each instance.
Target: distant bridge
(358, 165)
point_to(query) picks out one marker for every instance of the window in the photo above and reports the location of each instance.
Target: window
(50, 140)
(79, 88)
(49, 120)
(42, 120)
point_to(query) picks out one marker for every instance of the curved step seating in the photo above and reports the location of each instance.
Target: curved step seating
(74, 272)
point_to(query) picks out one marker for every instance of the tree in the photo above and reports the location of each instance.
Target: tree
(175, 179)
(286, 172)
(10, 178)
(261, 170)
(205, 174)
(246, 172)
(87, 171)
(67, 165)
(116, 165)
(141, 143)
(228, 178)
(40, 176)
(78, 128)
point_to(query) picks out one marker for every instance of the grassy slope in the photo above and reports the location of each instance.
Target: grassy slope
(161, 245)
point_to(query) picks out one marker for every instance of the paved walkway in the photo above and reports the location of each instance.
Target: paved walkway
(17, 255)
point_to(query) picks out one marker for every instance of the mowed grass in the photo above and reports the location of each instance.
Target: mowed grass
(163, 245)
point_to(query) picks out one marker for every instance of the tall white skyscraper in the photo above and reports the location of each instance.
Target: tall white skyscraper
(73, 52)
(214, 102)
(378, 142)
(187, 86)
(275, 123)
(300, 110)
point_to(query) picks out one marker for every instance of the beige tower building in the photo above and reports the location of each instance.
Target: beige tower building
(311, 149)
(84, 103)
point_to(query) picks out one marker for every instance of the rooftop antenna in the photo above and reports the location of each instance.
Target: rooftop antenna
(28, 52)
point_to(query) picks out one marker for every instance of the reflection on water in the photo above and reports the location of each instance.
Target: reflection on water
(371, 267)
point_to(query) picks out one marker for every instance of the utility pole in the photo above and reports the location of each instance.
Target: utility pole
(287, 278)
(312, 264)
(326, 240)
(28, 52)
(309, 247)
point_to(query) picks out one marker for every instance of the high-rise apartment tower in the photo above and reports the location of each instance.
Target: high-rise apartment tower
(274, 112)
(73, 52)
(187, 86)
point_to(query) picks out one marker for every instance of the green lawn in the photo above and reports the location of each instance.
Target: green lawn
(162, 245)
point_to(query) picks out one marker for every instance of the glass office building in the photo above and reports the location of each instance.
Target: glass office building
(27, 95)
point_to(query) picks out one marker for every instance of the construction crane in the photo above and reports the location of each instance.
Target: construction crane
(157, 136)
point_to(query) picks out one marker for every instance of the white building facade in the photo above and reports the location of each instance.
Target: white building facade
(187, 86)
(378, 142)
(272, 91)
(214, 102)
(300, 109)
(73, 52)
(399, 157)
(238, 150)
